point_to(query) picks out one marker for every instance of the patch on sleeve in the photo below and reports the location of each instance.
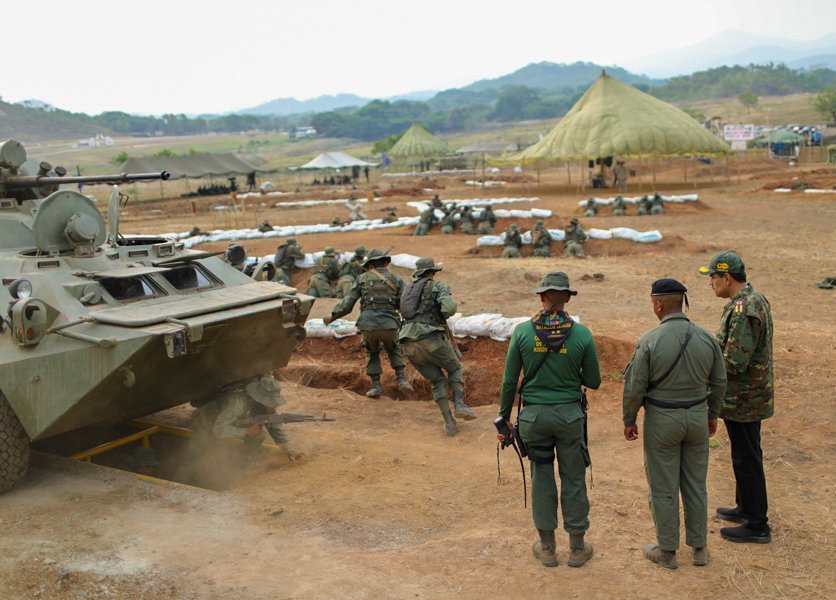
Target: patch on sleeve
(738, 307)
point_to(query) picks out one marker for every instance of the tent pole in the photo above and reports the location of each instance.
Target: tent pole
(568, 173)
(685, 168)
(538, 172)
(694, 159)
(641, 174)
(655, 165)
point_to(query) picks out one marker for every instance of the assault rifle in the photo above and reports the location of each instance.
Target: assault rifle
(278, 419)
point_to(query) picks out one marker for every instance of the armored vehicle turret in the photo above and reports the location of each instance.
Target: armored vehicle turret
(97, 327)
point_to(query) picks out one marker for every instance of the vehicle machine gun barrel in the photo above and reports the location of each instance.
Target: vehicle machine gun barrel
(29, 181)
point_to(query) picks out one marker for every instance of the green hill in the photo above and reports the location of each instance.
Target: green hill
(34, 124)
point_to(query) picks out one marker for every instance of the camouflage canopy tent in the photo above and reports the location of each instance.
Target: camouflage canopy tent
(417, 142)
(615, 119)
(192, 166)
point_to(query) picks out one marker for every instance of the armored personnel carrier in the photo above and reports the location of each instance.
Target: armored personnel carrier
(97, 327)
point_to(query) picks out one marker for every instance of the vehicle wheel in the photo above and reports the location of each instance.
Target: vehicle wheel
(14, 447)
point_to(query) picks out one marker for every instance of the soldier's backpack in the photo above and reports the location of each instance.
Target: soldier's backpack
(411, 298)
(281, 252)
(379, 292)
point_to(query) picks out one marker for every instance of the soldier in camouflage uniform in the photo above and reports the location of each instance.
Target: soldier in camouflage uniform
(379, 292)
(618, 207)
(425, 222)
(285, 259)
(677, 374)
(350, 271)
(466, 220)
(486, 227)
(447, 220)
(326, 271)
(542, 240)
(574, 239)
(745, 336)
(265, 226)
(657, 207)
(426, 305)
(512, 243)
(645, 206)
(591, 208)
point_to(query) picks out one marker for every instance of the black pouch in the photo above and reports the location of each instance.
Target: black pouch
(521, 445)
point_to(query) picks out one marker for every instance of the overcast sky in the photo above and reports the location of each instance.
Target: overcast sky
(185, 56)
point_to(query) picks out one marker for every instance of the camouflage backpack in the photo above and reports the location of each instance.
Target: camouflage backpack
(411, 298)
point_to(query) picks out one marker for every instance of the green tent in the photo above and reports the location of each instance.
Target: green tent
(192, 166)
(779, 136)
(615, 119)
(417, 142)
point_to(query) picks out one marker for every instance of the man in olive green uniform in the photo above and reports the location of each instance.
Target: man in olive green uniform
(657, 207)
(350, 271)
(745, 336)
(265, 226)
(591, 208)
(326, 271)
(447, 220)
(645, 206)
(466, 220)
(486, 227)
(542, 243)
(426, 305)
(379, 292)
(557, 357)
(425, 221)
(677, 374)
(512, 243)
(285, 259)
(618, 207)
(574, 239)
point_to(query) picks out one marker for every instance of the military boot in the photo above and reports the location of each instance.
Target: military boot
(663, 558)
(461, 409)
(376, 391)
(579, 550)
(544, 548)
(449, 423)
(403, 384)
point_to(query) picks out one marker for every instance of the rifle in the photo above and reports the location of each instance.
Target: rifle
(278, 419)
(452, 340)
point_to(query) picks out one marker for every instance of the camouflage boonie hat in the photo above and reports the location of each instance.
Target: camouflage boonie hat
(557, 281)
(266, 390)
(539, 222)
(375, 256)
(422, 265)
(360, 251)
(290, 241)
(574, 221)
(329, 251)
(513, 226)
(724, 262)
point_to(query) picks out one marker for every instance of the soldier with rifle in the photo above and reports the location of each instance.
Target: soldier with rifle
(426, 341)
(285, 259)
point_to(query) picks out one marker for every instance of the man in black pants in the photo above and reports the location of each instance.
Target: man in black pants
(745, 336)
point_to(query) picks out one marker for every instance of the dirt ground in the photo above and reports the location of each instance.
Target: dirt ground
(385, 506)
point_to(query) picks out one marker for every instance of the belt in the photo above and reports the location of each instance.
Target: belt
(663, 404)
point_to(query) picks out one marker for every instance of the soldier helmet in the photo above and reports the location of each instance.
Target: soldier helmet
(360, 251)
(513, 226)
(424, 264)
(290, 241)
(376, 256)
(329, 251)
(236, 254)
(266, 390)
(539, 222)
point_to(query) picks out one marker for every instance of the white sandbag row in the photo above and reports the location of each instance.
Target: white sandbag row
(403, 260)
(275, 194)
(558, 235)
(476, 183)
(491, 325)
(424, 173)
(635, 199)
(808, 191)
(422, 205)
(297, 203)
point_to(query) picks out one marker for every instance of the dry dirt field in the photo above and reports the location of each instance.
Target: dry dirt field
(385, 506)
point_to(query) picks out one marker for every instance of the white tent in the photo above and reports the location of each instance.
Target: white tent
(336, 160)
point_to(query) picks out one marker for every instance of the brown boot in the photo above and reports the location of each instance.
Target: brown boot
(700, 556)
(544, 549)
(462, 410)
(579, 550)
(663, 558)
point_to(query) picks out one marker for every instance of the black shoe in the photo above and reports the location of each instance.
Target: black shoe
(743, 535)
(731, 514)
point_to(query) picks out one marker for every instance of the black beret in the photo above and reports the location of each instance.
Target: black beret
(667, 287)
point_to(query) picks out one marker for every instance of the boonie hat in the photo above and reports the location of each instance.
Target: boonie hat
(360, 251)
(375, 256)
(290, 241)
(424, 264)
(329, 251)
(724, 262)
(266, 390)
(557, 281)
(574, 221)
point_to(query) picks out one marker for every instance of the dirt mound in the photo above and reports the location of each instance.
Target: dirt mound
(325, 363)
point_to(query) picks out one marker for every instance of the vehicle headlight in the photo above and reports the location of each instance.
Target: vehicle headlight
(21, 289)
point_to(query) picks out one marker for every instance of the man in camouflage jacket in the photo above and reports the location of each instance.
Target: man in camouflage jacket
(745, 336)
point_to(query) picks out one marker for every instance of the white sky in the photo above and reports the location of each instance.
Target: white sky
(155, 56)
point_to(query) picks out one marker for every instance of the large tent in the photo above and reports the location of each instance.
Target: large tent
(615, 119)
(417, 142)
(484, 147)
(336, 160)
(192, 166)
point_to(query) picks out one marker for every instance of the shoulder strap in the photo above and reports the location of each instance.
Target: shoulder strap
(389, 283)
(688, 334)
(526, 378)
